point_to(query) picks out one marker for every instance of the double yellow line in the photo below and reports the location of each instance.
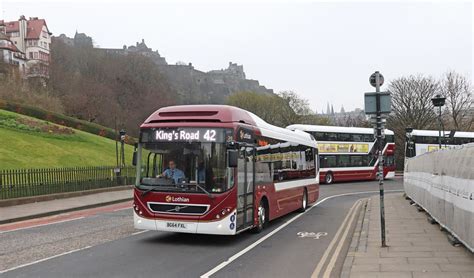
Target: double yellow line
(344, 230)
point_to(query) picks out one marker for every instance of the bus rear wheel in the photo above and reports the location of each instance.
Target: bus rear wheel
(262, 217)
(329, 178)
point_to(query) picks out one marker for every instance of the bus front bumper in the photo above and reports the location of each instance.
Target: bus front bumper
(224, 226)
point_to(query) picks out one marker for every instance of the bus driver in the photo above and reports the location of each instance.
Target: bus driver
(173, 173)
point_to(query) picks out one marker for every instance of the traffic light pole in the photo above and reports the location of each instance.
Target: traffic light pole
(380, 157)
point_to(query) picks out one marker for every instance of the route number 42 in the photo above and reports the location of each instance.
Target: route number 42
(210, 135)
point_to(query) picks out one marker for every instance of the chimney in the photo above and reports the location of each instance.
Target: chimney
(23, 25)
(3, 29)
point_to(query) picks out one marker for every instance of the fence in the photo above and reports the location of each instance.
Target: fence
(33, 182)
(442, 183)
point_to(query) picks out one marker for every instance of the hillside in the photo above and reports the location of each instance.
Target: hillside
(31, 143)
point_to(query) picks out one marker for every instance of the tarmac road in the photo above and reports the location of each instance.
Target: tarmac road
(104, 244)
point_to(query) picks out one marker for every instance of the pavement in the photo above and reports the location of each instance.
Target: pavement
(45, 208)
(416, 248)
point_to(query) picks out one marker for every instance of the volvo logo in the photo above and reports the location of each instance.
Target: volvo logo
(177, 209)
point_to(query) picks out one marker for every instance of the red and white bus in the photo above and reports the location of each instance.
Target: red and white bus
(349, 153)
(422, 141)
(230, 171)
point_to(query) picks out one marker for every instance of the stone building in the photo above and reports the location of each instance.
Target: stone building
(33, 38)
(140, 48)
(82, 40)
(9, 53)
(79, 40)
(194, 86)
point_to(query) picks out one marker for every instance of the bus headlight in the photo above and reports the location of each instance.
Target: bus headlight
(223, 212)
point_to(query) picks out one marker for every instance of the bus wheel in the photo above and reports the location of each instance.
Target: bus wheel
(304, 203)
(329, 178)
(262, 217)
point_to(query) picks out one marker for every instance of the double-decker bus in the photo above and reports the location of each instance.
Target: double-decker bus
(216, 169)
(422, 141)
(349, 153)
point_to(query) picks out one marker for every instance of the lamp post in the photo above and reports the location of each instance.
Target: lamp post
(122, 133)
(438, 101)
(409, 150)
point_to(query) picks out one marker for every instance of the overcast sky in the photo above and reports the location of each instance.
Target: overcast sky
(323, 51)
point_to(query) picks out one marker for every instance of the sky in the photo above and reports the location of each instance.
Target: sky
(323, 51)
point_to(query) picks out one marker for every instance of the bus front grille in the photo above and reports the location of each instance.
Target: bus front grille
(178, 208)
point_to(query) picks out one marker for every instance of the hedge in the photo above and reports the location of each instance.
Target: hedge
(63, 120)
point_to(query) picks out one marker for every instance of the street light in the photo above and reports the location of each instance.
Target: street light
(122, 134)
(409, 150)
(438, 101)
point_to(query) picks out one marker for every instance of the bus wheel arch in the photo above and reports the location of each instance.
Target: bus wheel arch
(263, 215)
(329, 178)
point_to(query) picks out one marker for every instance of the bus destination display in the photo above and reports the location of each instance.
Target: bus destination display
(183, 135)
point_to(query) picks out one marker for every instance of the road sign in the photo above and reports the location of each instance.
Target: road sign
(371, 103)
(372, 79)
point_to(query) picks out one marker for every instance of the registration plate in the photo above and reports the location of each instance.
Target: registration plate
(175, 225)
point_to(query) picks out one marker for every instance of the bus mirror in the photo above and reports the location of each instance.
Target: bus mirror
(232, 158)
(134, 158)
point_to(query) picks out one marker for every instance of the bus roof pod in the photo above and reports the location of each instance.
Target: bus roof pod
(338, 129)
(223, 114)
(435, 133)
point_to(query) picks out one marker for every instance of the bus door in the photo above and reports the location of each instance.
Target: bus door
(245, 188)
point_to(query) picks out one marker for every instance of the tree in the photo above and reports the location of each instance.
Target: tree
(458, 92)
(411, 107)
(295, 109)
(411, 102)
(98, 86)
(282, 109)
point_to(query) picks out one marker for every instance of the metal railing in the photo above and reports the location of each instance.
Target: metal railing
(33, 182)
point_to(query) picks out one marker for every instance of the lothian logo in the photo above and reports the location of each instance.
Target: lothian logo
(169, 198)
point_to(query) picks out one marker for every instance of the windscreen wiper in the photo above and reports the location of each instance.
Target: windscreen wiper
(205, 191)
(147, 191)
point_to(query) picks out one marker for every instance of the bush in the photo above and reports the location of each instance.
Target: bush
(60, 119)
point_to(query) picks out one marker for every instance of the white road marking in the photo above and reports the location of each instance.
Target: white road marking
(314, 235)
(253, 245)
(332, 262)
(40, 225)
(139, 232)
(333, 241)
(122, 209)
(45, 259)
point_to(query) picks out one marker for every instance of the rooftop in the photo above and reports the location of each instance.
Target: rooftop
(33, 29)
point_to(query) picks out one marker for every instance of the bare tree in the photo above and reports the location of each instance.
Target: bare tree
(411, 102)
(411, 107)
(458, 92)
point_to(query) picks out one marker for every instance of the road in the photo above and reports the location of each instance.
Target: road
(103, 243)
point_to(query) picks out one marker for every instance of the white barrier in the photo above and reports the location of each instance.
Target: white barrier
(442, 182)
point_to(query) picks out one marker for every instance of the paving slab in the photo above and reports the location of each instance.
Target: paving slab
(416, 248)
(45, 208)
